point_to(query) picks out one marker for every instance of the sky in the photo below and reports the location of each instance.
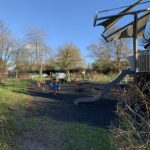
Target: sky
(63, 21)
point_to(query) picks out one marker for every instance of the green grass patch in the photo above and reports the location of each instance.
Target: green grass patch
(68, 135)
(104, 79)
(12, 100)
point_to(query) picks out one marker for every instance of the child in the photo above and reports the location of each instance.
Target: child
(32, 84)
(43, 85)
(54, 86)
(74, 80)
(50, 85)
(68, 77)
(58, 85)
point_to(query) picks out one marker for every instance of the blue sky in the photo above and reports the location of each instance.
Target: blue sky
(62, 20)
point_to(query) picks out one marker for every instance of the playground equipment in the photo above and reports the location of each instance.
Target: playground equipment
(139, 61)
(106, 87)
(143, 65)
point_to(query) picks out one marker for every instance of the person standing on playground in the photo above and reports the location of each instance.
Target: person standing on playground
(43, 85)
(68, 77)
(74, 80)
(58, 85)
(50, 85)
(54, 86)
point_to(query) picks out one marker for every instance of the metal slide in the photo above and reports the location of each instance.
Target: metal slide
(105, 89)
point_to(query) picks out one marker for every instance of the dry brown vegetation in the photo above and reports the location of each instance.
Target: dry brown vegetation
(132, 130)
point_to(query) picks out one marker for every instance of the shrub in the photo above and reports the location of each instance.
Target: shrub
(132, 130)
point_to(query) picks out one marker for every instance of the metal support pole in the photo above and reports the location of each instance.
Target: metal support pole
(135, 47)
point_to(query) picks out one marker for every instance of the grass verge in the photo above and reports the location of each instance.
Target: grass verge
(64, 135)
(12, 100)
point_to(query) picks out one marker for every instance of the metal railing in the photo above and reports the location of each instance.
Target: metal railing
(143, 61)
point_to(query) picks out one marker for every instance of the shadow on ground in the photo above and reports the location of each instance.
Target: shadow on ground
(61, 108)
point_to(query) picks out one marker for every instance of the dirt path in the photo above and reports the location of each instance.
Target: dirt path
(39, 134)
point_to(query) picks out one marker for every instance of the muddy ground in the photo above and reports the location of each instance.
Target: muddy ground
(60, 107)
(99, 113)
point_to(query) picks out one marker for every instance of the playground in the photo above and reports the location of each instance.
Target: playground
(61, 107)
(47, 121)
(54, 99)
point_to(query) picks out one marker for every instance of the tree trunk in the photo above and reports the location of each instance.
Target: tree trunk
(41, 70)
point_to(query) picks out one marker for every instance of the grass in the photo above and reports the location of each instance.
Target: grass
(63, 135)
(66, 136)
(99, 77)
(104, 79)
(11, 101)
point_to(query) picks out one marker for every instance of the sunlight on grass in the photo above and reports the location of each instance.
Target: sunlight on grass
(66, 135)
(11, 101)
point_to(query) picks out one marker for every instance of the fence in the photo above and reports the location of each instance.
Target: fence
(143, 62)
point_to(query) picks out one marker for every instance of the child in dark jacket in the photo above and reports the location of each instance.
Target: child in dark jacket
(54, 86)
(58, 85)
(50, 85)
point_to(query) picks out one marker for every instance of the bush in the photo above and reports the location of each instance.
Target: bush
(132, 130)
(103, 67)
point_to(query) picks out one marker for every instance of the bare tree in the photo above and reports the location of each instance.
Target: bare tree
(120, 50)
(20, 57)
(69, 57)
(100, 50)
(6, 46)
(114, 51)
(36, 41)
